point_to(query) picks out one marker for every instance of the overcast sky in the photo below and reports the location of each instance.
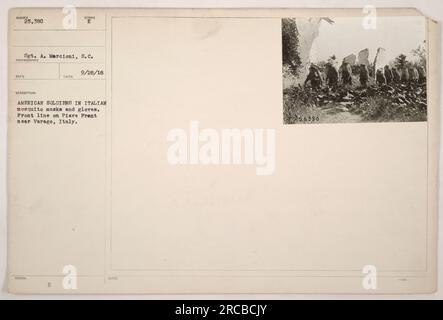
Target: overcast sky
(347, 35)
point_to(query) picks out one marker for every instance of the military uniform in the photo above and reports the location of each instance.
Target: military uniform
(413, 74)
(331, 75)
(388, 75)
(380, 77)
(346, 73)
(405, 75)
(314, 78)
(421, 74)
(364, 75)
(396, 75)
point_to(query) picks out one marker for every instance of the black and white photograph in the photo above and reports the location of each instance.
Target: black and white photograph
(348, 69)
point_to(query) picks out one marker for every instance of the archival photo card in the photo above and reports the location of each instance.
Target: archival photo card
(151, 151)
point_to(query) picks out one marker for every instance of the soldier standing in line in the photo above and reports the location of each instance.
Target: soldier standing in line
(404, 75)
(421, 74)
(388, 75)
(346, 73)
(380, 77)
(396, 75)
(364, 75)
(314, 77)
(331, 75)
(413, 74)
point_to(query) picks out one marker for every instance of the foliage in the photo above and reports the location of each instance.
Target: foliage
(290, 44)
(400, 61)
(420, 55)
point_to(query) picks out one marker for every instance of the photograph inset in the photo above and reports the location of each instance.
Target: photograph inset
(337, 71)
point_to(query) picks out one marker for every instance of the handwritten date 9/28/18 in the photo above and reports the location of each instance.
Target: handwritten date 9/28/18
(92, 72)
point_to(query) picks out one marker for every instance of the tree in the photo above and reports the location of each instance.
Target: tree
(420, 55)
(290, 53)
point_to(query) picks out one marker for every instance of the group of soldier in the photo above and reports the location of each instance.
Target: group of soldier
(343, 76)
